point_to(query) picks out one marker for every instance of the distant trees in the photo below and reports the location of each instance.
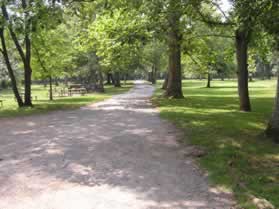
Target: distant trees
(53, 53)
(154, 58)
(208, 54)
(118, 38)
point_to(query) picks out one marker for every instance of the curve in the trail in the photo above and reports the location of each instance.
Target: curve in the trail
(116, 154)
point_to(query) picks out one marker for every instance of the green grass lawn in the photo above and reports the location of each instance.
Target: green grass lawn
(43, 105)
(239, 157)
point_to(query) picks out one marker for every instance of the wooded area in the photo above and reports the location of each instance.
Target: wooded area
(80, 47)
(85, 41)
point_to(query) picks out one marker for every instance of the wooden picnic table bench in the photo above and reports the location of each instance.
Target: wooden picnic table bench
(77, 89)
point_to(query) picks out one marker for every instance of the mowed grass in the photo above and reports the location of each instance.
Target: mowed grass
(43, 105)
(239, 157)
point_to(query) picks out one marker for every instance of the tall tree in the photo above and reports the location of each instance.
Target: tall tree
(270, 20)
(5, 54)
(244, 19)
(174, 85)
(25, 55)
(22, 18)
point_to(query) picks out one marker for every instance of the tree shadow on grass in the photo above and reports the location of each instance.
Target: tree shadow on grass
(240, 156)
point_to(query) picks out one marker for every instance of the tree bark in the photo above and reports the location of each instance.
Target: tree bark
(50, 89)
(27, 63)
(272, 130)
(117, 82)
(10, 69)
(208, 80)
(27, 83)
(242, 70)
(174, 87)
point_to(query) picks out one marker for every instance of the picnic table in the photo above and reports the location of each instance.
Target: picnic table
(77, 89)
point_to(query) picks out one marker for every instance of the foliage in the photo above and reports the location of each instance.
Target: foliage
(53, 52)
(117, 39)
(154, 55)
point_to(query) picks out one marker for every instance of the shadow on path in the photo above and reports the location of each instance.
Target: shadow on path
(116, 154)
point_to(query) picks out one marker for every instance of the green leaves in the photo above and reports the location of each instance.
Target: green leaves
(117, 38)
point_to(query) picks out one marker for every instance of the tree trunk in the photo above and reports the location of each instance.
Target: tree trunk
(208, 80)
(27, 85)
(10, 70)
(109, 79)
(174, 87)
(50, 89)
(268, 71)
(154, 74)
(242, 70)
(112, 79)
(101, 81)
(149, 77)
(27, 63)
(126, 78)
(117, 82)
(165, 84)
(25, 57)
(272, 130)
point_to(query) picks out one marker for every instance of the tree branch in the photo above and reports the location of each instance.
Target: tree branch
(212, 22)
(220, 9)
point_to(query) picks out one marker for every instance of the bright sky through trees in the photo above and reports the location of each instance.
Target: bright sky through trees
(226, 5)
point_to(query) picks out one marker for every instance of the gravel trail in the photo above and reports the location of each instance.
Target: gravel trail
(116, 154)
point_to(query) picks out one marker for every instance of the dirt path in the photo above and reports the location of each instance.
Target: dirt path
(116, 154)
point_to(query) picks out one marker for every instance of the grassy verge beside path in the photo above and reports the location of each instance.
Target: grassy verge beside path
(43, 105)
(239, 157)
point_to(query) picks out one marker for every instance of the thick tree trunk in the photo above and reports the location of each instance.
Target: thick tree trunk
(10, 70)
(273, 125)
(242, 70)
(208, 85)
(117, 82)
(50, 89)
(174, 87)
